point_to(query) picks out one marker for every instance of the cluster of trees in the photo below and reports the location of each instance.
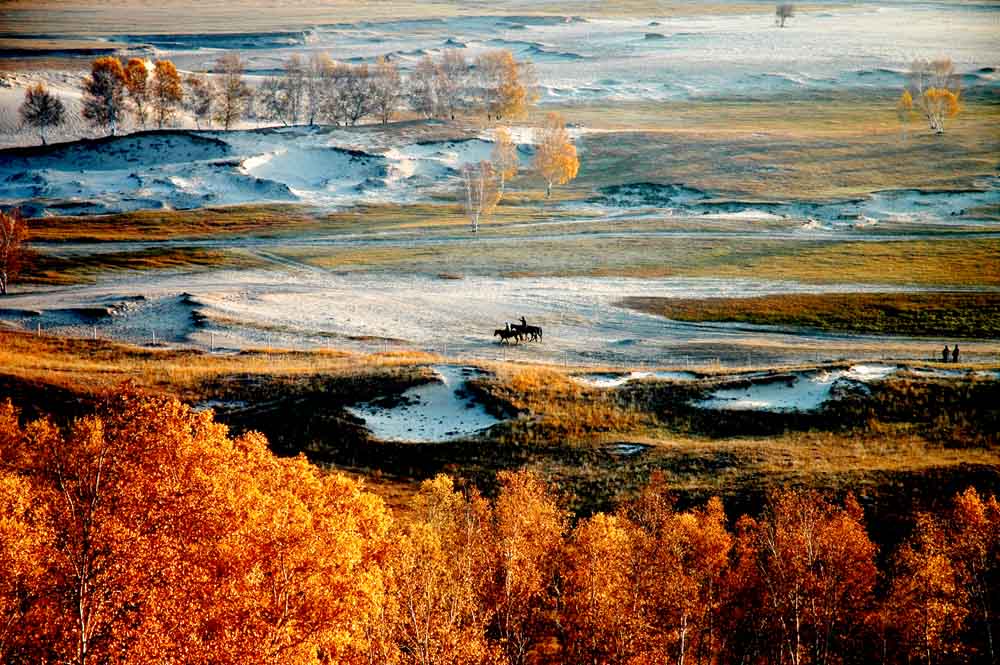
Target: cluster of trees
(313, 91)
(484, 183)
(146, 533)
(933, 91)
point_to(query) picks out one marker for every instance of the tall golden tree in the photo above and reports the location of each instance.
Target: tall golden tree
(104, 93)
(13, 233)
(556, 160)
(603, 608)
(504, 158)
(527, 535)
(504, 85)
(811, 567)
(166, 92)
(137, 86)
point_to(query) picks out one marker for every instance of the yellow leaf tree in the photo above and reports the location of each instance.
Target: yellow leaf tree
(556, 160)
(935, 91)
(166, 91)
(504, 158)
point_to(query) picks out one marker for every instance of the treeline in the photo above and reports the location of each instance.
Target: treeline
(145, 533)
(317, 90)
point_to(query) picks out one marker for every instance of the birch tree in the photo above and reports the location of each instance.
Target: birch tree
(166, 92)
(13, 232)
(233, 91)
(137, 86)
(504, 158)
(556, 160)
(935, 90)
(479, 182)
(104, 94)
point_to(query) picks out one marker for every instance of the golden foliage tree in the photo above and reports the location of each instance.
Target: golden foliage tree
(935, 91)
(437, 576)
(13, 233)
(526, 539)
(481, 194)
(172, 542)
(602, 610)
(556, 160)
(166, 92)
(104, 93)
(504, 158)
(137, 86)
(505, 85)
(810, 571)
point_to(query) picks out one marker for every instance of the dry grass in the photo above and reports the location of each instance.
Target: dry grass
(93, 366)
(945, 262)
(551, 408)
(952, 314)
(73, 268)
(780, 150)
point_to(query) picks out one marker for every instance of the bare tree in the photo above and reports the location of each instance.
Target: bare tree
(104, 93)
(13, 232)
(782, 12)
(295, 86)
(451, 83)
(272, 98)
(317, 75)
(357, 93)
(422, 88)
(233, 90)
(137, 86)
(166, 92)
(481, 194)
(386, 89)
(200, 99)
(41, 110)
(935, 91)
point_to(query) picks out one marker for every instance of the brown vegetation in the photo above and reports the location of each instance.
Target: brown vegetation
(946, 314)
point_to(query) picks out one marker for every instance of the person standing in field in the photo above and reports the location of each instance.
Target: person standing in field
(954, 354)
(944, 354)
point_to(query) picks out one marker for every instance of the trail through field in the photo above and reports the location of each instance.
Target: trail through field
(304, 307)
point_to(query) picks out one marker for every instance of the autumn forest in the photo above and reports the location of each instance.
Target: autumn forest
(145, 533)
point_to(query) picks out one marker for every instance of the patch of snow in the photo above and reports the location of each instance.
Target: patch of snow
(803, 391)
(615, 379)
(429, 413)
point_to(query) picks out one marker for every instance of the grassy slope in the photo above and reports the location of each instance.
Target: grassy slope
(563, 428)
(975, 315)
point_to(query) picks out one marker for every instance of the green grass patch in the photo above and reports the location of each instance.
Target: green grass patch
(950, 314)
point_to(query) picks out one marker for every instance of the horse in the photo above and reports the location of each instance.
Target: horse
(533, 333)
(506, 335)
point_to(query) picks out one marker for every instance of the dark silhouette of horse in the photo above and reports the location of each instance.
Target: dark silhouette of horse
(532, 333)
(506, 335)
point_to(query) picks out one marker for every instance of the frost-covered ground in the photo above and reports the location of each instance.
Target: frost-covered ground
(854, 45)
(301, 307)
(182, 169)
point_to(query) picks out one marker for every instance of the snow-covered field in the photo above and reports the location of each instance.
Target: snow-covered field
(184, 169)
(433, 412)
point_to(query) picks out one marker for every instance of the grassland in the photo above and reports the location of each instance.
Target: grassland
(905, 438)
(950, 314)
(73, 268)
(783, 149)
(949, 262)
